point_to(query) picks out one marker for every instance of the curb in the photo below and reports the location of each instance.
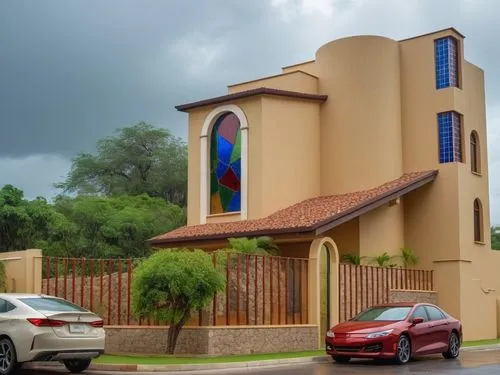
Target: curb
(218, 366)
(479, 348)
(188, 367)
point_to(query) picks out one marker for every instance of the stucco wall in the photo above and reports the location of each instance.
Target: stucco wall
(292, 81)
(213, 340)
(23, 270)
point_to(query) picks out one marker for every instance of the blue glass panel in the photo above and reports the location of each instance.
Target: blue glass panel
(235, 204)
(221, 169)
(224, 149)
(237, 168)
(446, 62)
(450, 141)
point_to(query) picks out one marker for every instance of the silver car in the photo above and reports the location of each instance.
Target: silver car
(36, 327)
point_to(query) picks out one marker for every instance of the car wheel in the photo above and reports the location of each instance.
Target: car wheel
(453, 347)
(403, 352)
(76, 366)
(8, 359)
(340, 359)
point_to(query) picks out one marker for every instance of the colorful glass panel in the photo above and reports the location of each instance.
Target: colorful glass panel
(225, 165)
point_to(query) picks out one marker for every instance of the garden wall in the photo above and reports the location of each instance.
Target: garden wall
(213, 341)
(423, 296)
(260, 290)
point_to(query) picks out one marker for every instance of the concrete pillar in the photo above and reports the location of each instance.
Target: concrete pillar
(23, 270)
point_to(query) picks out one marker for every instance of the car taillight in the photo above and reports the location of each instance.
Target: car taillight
(38, 322)
(97, 324)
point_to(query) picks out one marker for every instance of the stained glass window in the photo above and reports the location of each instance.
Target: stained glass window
(225, 165)
(446, 54)
(450, 137)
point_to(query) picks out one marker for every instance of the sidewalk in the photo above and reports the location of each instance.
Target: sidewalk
(216, 366)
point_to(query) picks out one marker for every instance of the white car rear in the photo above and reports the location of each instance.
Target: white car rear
(44, 328)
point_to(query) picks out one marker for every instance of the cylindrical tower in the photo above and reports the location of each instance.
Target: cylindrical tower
(361, 145)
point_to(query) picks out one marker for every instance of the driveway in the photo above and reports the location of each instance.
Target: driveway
(485, 362)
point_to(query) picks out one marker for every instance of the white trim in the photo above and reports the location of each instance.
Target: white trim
(204, 152)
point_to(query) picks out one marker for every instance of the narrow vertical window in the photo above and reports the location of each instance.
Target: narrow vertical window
(474, 153)
(225, 165)
(446, 61)
(478, 221)
(450, 137)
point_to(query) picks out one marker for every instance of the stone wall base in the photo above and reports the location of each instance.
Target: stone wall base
(423, 296)
(213, 341)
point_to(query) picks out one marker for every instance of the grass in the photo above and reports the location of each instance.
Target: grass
(171, 360)
(178, 360)
(481, 342)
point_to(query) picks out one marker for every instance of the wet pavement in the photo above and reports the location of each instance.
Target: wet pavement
(480, 363)
(485, 362)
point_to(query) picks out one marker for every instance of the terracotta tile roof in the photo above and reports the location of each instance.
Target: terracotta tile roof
(316, 214)
(249, 93)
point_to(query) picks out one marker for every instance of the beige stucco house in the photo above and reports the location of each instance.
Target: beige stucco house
(374, 145)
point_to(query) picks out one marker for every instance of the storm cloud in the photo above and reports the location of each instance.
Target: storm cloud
(74, 71)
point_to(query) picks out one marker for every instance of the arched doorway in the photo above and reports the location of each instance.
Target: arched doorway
(323, 285)
(325, 289)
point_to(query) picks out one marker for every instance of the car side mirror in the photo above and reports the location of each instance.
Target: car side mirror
(417, 320)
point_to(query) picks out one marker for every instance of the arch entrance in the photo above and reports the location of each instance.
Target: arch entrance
(323, 285)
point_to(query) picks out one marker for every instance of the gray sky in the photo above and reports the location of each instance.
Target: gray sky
(73, 71)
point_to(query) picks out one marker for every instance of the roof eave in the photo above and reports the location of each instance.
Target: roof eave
(318, 228)
(374, 203)
(225, 236)
(251, 93)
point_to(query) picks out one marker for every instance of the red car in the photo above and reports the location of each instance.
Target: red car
(395, 331)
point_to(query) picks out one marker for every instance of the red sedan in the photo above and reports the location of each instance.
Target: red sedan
(395, 331)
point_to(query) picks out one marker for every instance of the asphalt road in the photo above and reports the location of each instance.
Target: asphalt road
(486, 362)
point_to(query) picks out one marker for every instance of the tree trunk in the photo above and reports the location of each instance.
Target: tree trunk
(173, 332)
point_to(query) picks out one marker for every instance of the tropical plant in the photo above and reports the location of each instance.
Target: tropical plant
(171, 284)
(383, 260)
(352, 258)
(408, 257)
(253, 246)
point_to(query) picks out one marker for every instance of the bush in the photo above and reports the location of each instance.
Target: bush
(171, 284)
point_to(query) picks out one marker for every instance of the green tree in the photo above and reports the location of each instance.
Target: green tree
(495, 237)
(111, 227)
(171, 284)
(140, 159)
(23, 223)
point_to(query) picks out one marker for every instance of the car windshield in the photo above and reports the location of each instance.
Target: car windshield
(385, 313)
(51, 304)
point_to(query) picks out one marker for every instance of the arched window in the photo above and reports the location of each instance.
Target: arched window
(474, 153)
(225, 164)
(478, 221)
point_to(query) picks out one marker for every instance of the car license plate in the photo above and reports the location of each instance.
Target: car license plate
(77, 328)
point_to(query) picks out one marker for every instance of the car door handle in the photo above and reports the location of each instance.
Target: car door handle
(438, 324)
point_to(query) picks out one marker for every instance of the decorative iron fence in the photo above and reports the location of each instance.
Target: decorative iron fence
(260, 290)
(363, 286)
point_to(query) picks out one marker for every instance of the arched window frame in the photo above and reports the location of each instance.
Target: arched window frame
(206, 132)
(475, 152)
(478, 221)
